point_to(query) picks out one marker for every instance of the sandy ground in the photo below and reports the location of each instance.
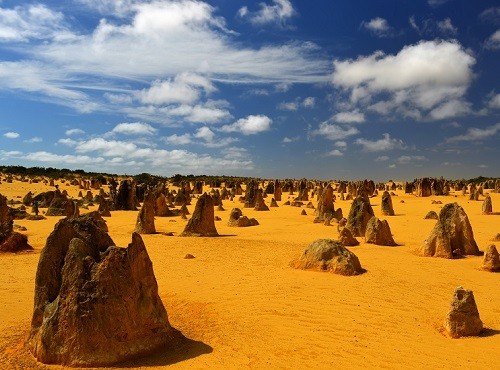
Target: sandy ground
(242, 306)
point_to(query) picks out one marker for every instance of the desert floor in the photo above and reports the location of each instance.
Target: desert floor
(242, 306)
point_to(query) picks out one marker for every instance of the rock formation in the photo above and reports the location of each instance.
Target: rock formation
(273, 203)
(463, 318)
(10, 240)
(431, 215)
(378, 232)
(452, 235)
(125, 199)
(386, 205)
(260, 205)
(103, 208)
(236, 219)
(202, 222)
(61, 205)
(328, 255)
(491, 261)
(145, 223)
(95, 304)
(346, 238)
(359, 215)
(250, 194)
(326, 209)
(487, 205)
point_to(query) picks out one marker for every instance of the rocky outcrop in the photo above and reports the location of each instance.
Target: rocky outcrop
(104, 209)
(326, 209)
(463, 318)
(61, 205)
(386, 205)
(431, 215)
(236, 219)
(491, 260)
(378, 232)
(330, 256)
(452, 235)
(260, 205)
(487, 205)
(10, 240)
(346, 238)
(145, 223)
(359, 215)
(125, 199)
(202, 222)
(95, 304)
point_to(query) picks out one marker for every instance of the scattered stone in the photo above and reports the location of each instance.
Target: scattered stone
(452, 232)
(202, 223)
(36, 217)
(104, 209)
(161, 207)
(189, 256)
(431, 215)
(220, 208)
(359, 215)
(145, 223)
(236, 219)
(169, 233)
(95, 304)
(347, 239)
(217, 218)
(61, 205)
(303, 213)
(463, 318)
(386, 205)
(487, 208)
(273, 203)
(491, 261)
(328, 255)
(496, 238)
(378, 232)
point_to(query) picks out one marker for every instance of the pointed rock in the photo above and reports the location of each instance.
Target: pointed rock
(378, 232)
(491, 261)
(145, 223)
(202, 222)
(463, 318)
(359, 215)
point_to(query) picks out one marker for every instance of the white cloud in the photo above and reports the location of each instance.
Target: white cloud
(382, 158)
(491, 15)
(34, 139)
(407, 159)
(482, 166)
(44, 156)
(340, 144)
(436, 3)
(385, 144)
(290, 106)
(279, 13)
(452, 108)
(349, 117)
(175, 139)
(309, 102)
(74, 131)
(68, 142)
(378, 26)
(235, 153)
(334, 132)
(33, 21)
(11, 135)
(418, 79)
(201, 113)
(183, 89)
(133, 128)
(287, 140)
(446, 27)
(494, 102)
(250, 125)
(493, 42)
(476, 134)
(205, 133)
(334, 153)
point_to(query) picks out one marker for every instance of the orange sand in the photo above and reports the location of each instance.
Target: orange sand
(244, 307)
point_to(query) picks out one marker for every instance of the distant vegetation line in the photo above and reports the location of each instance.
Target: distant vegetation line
(65, 173)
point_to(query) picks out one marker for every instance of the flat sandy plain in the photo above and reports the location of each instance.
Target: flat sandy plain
(242, 306)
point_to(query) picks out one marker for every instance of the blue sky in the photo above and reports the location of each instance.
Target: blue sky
(280, 88)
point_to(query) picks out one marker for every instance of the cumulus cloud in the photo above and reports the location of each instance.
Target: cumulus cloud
(309, 102)
(133, 128)
(278, 13)
(382, 158)
(493, 42)
(446, 27)
(385, 144)
(476, 134)
(378, 27)
(175, 139)
(420, 78)
(334, 132)
(290, 106)
(250, 125)
(74, 131)
(184, 88)
(287, 140)
(349, 117)
(11, 135)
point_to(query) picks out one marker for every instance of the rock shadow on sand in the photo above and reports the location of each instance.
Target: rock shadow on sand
(184, 350)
